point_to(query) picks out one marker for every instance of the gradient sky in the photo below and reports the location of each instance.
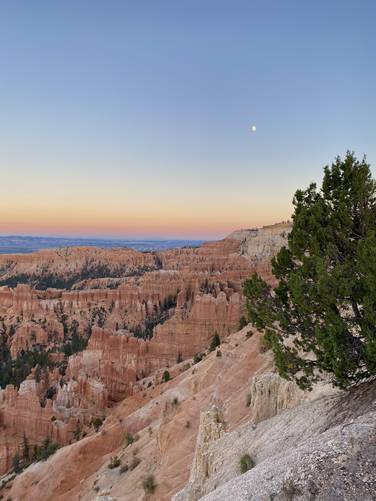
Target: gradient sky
(132, 118)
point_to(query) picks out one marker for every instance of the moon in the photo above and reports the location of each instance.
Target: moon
(253, 128)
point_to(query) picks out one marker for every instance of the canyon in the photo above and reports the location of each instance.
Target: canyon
(129, 315)
(118, 368)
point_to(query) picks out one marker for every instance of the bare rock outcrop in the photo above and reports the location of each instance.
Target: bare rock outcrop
(110, 299)
(324, 449)
(211, 429)
(270, 394)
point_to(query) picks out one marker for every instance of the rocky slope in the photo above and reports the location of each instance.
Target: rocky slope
(190, 432)
(119, 317)
(165, 416)
(323, 450)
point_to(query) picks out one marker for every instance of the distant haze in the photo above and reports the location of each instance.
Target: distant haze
(22, 245)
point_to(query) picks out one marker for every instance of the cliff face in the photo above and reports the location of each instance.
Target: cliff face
(193, 430)
(166, 418)
(174, 301)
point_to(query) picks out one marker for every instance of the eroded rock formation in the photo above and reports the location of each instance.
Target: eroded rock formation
(111, 321)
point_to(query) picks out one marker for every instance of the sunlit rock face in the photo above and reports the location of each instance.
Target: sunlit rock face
(175, 301)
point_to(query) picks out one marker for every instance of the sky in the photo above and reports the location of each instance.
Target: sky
(133, 118)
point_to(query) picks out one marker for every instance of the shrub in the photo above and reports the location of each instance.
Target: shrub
(197, 358)
(243, 322)
(215, 342)
(115, 462)
(129, 439)
(290, 489)
(16, 464)
(246, 463)
(249, 334)
(149, 484)
(218, 353)
(166, 376)
(45, 450)
(96, 423)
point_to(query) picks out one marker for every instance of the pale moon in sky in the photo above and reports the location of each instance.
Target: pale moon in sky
(253, 128)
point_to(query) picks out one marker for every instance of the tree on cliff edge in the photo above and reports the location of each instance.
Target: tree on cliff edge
(321, 318)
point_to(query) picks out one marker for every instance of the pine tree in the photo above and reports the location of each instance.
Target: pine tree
(215, 342)
(16, 463)
(25, 449)
(321, 318)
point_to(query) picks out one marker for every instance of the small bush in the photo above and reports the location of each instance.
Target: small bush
(197, 358)
(243, 322)
(16, 464)
(175, 401)
(215, 342)
(249, 334)
(149, 484)
(134, 463)
(114, 463)
(290, 489)
(246, 463)
(187, 424)
(166, 377)
(219, 353)
(96, 423)
(129, 439)
(45, 450)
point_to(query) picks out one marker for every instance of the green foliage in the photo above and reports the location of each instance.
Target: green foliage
(25, 449)
(115, 462)
(129, 439)
(96, 423)
(290, 489)
(243, 322)
(16, 464)
(322, 315)
(166, 376)
(246, 463)
(215, 342)
(197, 358)
(149, 484)
(16, 371)
(76, 342)
(218, 353)
(160, 316)
(90, 270)
(46, 450)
